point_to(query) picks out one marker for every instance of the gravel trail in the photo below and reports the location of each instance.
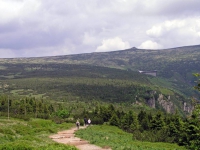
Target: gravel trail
(68, 137)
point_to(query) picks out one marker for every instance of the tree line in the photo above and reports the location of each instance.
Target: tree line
(145, 126)
(157, 127)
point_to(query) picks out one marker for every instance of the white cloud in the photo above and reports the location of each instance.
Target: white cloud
(89, 39)
(198, 33)
(155, 31)
(9, 10)
(174, 33)
(112, 45)
(163, 28)
(17, 10)
(27, 25)
(150, 45)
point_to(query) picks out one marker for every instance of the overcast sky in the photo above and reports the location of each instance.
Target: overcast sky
(32, 28)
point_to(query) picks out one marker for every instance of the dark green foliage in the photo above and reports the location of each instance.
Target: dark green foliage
(105, 114)
(190, 136)
(62, 113)
(157, 122)
(176, 127)
(161, 135)
(127, 121)
(114, 120)
(198, 81)
(144, 120)
(97, 120)
(32, 107)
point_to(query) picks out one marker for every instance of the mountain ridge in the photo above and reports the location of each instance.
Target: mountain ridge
(132, 48)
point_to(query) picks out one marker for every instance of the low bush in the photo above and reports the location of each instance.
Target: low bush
(153, 136)
(115, 138)
(56, 146)
(30, 135)
(19, 145)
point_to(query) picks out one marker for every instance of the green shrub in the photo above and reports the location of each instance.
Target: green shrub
(153, 136)
(56, 146)
(97, 120)
(62, 113)
(117, 139)
(23, 135)
(37, 123)
(7, 131)
(18, 145)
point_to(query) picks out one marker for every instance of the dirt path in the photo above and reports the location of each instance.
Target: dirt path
(68, 137)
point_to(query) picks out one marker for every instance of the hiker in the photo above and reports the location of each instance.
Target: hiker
(89, 121)
(85, 121)
(77, 124)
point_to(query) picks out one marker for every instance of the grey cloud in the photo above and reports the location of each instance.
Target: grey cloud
(169, 8)
(75, 26)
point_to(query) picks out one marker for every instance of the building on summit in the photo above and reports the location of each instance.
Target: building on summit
(152, 73)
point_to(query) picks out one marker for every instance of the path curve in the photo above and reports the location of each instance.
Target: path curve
(68, 137)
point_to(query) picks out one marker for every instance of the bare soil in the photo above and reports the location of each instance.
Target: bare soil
(68, 137)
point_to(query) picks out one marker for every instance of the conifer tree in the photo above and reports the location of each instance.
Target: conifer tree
(114, 120)
(157, 122)
(135, 124)
(191, 136)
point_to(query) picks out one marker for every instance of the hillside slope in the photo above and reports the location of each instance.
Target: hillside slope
(110, 77)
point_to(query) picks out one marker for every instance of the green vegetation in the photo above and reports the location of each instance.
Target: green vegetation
(26, 108)
(175, 65)
(110, 136)
(107, 88)
(155, 128)
(75, 83)
(30, 135)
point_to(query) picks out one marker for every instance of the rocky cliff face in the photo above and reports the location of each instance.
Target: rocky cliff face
(151, 102)
(187, 107)
(167, 105)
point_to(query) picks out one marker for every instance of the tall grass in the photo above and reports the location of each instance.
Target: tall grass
(30, 135)
(115, 138)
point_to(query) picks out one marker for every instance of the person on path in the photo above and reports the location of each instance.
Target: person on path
(89, 121)
(85, 121)
(77, 124)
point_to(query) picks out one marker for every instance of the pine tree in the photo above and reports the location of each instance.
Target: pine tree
(114, 121)
(135, 124)
(157, 122)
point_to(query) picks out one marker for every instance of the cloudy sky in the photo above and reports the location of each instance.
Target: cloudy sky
(32, 28)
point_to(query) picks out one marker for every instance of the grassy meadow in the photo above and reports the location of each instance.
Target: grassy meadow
(115, 138)
(16, 134)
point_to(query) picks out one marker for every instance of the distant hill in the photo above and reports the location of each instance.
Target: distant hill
(108, 76)
(175, 64)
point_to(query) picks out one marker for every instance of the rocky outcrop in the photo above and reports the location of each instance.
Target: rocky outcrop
(167, 105)
(151, 102)
(187, 108)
